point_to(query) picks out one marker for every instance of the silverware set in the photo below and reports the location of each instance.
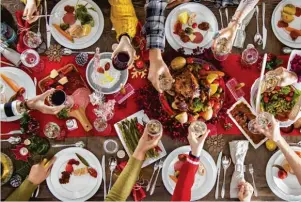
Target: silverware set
(158, 166)
(221, 16)
(251, 170)
(258, 38)
(226, 162)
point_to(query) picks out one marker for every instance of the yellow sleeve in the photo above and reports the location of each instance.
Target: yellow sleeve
(22, 193)
(123, 17)
(121, 190)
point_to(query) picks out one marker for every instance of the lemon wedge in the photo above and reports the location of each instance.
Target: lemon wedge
(213, 88)
(211, 77)
(183, 17)
(86, 29)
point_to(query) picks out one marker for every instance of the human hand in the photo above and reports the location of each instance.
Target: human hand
(273, 133)
(30, 10)
(39, 172)
(38, 103)
(145, 143)
(157, 68)
(174, 3)
(197, 143)
(125, 46)
(245, 191)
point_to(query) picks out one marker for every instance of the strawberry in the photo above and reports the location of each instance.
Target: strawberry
(194, 25)
(206, 67)
(100, 70)
(266, 99)
(69, 168)
(59, 87)
(189, 60)
(288, 99)
(73, 161)
(107, 66)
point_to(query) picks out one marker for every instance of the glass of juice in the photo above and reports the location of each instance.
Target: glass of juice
(120, 61)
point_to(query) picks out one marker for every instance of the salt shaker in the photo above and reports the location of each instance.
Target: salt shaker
(10, 54)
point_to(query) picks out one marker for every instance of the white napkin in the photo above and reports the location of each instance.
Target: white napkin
(238, 150)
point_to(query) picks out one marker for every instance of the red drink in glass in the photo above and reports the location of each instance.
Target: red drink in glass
(120, 61)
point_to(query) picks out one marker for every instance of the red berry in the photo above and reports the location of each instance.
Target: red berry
(69, 168)
(194, 25)
(288, 99)
(92, 172)
(206, 66)
(107, 66)
(266, 99)
(100, 70)
(189, 60)
(277, 88)
(59, 87)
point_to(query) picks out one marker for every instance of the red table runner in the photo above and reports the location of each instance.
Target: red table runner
(231, 67)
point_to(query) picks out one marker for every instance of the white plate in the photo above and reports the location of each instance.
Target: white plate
(202, 184)
(288, 189)
(21, 79)
(142, 117)
(254, 90)
(243, 100)
(293, 54)
(116, 88)
(169, 32)
(282, 35)
(203, 14)
(80, 188)
(85, 41)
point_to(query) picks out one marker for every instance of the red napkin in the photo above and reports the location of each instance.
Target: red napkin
(137, 191)
(23, 25)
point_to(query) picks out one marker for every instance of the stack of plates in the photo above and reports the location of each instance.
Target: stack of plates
(288, 189)
(21, 79)
(202, 184)
(79, 188)
(203, 14)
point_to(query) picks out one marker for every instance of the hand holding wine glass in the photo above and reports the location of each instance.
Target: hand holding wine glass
(272, 132)
(196, 142)
(126, 47)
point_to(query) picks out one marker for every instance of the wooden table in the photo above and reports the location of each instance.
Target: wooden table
(94, 144)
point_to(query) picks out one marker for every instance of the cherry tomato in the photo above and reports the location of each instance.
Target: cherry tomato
(277, 88)
(92, 172)
(291, 94)
(194, 25)
(266, 99)
(288, 99)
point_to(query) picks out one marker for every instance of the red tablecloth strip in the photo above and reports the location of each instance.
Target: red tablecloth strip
(231, 67)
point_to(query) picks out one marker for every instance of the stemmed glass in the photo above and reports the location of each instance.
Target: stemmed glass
(31, 59)
(198, 127)
(263, 120)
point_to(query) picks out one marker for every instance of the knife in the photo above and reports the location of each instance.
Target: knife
(103, 165)
(218, 166)
(48, 33)
(264, 30)
(261, 78)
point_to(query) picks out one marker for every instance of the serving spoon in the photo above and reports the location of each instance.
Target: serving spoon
(257, 38)
(12, 140)
(80, 144)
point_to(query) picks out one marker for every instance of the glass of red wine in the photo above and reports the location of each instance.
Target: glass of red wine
(57, 98)
(120, 61)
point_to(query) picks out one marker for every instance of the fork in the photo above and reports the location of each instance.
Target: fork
(156, 166)
(251, 170)
(112, 164)
(154, 185)
(36, 192)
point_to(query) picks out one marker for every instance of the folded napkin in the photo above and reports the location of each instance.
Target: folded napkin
(224, 3)
(238, 150)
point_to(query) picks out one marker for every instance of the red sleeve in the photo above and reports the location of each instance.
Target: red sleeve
(182, 191)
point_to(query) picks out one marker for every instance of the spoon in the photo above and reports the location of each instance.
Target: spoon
(226, 162)
(286, 50)
(77, 144)
(257, 38)
(13, 140)
(67, 51)
(112, 164)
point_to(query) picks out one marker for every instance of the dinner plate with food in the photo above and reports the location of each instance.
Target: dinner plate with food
(294, 65)
(76, 175)
(129, 131)
(286, 23)
(205, 177)
(104, 76)
(198, 91)
(190, 26)
(79, 24)
(15, 84)
(281, 178)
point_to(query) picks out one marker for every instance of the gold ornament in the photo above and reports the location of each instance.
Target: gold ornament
(54, 53)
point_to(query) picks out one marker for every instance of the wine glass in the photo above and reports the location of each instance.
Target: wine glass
(263, 120)
(100, 124)
(31, 59)
(32, 40)
(52, 130)
(165, 84)
(154, 128)
(250, 55)
(197, 127)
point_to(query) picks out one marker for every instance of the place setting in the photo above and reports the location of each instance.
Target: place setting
(123, 130)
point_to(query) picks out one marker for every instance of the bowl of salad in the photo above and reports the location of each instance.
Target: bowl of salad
(278, 102)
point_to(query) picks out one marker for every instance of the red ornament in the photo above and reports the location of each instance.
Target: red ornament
(140, 64)
(20, 153)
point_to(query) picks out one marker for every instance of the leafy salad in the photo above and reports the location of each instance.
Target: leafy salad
(280, 101)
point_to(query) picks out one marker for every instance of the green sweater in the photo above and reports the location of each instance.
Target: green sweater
(119, 192)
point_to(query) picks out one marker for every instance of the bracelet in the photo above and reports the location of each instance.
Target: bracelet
(24, 107)
(193, 156)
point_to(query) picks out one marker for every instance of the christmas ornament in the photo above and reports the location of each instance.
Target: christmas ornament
(15, 181)
(97, 98)
(138, 70)
(54, 53)
(21, 152)
(81, 59)
(215, 144)
(29, 125)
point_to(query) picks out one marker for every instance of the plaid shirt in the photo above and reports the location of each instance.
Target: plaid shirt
(154, 25)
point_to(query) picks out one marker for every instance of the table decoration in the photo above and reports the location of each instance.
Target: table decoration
(23, 26)
(29, 125)
(21, 153)
(15, 181)
(54, 53)
(215, 144)
(81, 59)
(238, 151)
(7, 168)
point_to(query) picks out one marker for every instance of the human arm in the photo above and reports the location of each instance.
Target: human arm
(273, 133)
(245, 191)
(37, 175)
(31, 10)
(120, 191)
(15, 108)
(185, 181)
